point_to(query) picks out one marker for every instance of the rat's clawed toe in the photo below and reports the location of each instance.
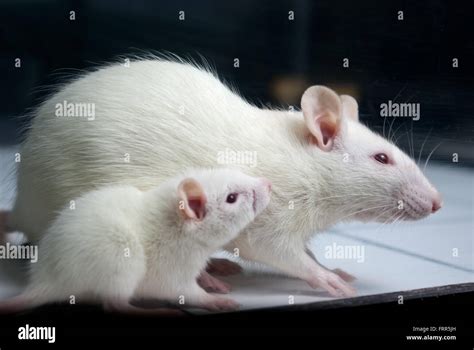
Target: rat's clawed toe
(211, 284)
(334, 283)
(344, 275)
(221, 304)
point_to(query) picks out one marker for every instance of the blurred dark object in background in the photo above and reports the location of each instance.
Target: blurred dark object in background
(409, 60)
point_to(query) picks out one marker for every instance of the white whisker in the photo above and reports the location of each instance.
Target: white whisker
(390, 128)
(386, 221)
(393, 224)
(431, 153)
(353, 195)
(360, 211)
(423, 145)
(382, 213)
(409, 141)
(401, 90)
(395, 132)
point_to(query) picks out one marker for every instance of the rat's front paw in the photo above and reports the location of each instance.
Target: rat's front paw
(344, 275)
(333, 282)
(212, 284)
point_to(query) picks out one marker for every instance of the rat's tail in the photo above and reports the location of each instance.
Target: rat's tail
(13, 305)
(27, 300)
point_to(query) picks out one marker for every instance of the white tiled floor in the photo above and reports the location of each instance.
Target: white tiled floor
(396, 257)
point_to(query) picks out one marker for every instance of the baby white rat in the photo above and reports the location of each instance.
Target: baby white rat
(162, 116)
(121, 243)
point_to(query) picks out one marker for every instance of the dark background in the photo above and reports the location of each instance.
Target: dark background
(406, 61)
(385, 324)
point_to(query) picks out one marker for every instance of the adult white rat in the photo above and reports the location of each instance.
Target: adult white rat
(154, 117)
(120, 243)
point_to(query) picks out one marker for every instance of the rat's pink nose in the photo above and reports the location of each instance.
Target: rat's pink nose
(437, 204)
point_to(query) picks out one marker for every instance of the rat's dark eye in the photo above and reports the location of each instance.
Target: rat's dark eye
(381, 158)
(232, 198)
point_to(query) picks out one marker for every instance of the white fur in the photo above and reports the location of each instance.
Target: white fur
(138, 112)
(121, 242)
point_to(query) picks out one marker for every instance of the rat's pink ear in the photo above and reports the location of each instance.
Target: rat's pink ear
(350, 108)
(322, 113)
(192, 199)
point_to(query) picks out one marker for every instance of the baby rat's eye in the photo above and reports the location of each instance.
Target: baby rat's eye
(232, 198)
(381, 158)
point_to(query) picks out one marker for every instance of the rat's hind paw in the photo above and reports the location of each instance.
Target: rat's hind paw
(220, 304)
(334, 284)
(212, 284)
(344, 275)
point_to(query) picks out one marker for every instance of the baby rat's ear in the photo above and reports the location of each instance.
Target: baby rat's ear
(192, 199)
(322, 113)
(350, 108)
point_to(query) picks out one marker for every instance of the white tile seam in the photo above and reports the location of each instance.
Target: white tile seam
(401, 251)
